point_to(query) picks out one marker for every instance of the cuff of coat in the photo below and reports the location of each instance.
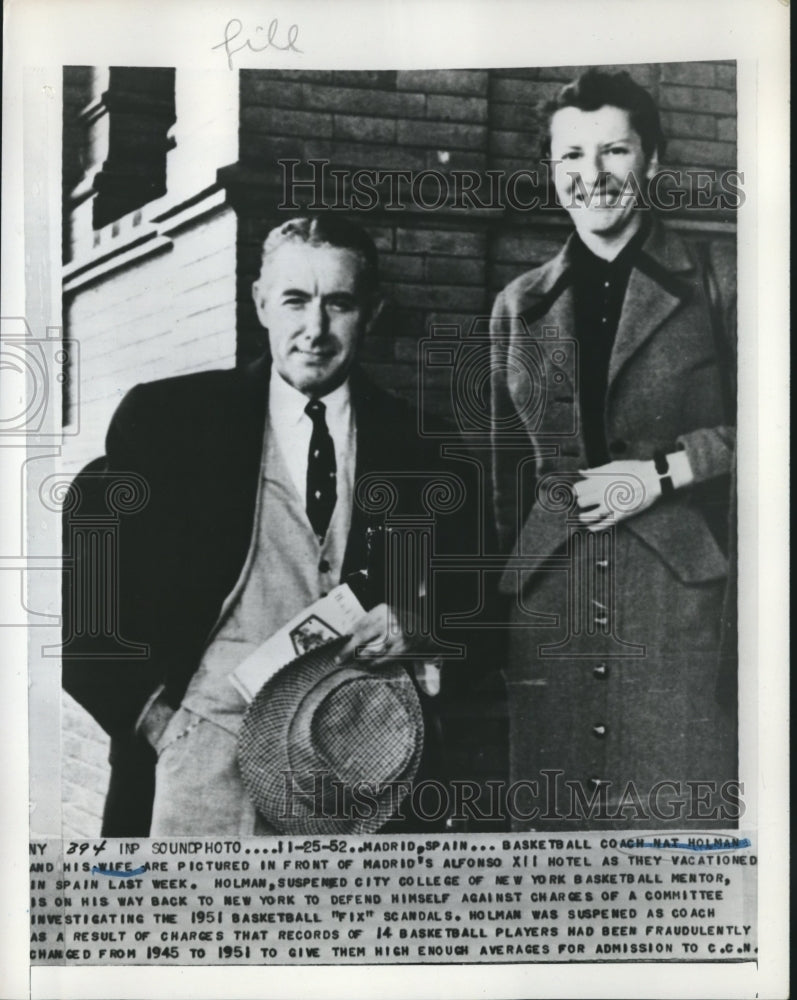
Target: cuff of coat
(710, 451)
(154, 717)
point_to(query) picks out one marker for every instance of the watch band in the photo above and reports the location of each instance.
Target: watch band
(662, 466)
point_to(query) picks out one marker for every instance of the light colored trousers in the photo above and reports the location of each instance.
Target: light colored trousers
(198, 788)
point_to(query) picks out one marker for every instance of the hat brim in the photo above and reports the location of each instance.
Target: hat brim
(290, 780)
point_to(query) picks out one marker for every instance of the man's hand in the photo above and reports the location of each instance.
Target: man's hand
(382, 633)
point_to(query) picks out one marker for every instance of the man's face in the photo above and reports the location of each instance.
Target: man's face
(311, 301)
(593, 154)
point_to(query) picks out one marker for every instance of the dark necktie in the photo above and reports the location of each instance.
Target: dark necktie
(321, 471)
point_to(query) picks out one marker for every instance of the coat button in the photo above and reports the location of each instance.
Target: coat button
(618, 447)
(599, 731)
(323, 566)
(600, 671)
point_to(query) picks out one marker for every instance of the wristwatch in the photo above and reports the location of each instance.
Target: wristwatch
(662, 465)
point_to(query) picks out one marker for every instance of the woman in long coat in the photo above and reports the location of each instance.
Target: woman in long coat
(611, 476)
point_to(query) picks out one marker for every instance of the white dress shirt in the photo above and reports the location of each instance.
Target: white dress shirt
(292, 429)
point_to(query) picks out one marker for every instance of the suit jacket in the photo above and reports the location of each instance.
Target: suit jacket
(195, 441)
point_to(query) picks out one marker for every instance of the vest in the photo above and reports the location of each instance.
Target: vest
(286, 569)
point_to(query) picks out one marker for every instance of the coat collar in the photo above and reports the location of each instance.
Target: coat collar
(666, 255)
(659, 284)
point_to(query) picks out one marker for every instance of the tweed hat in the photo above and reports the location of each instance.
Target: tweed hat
(328, 748)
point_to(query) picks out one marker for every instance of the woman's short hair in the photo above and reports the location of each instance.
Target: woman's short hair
(594, 89)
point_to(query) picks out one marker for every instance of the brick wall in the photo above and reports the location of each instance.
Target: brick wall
(445, 266)
(175, 306)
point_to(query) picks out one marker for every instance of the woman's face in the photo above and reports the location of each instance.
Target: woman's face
(598, 167)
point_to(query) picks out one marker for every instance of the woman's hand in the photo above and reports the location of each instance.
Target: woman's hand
(609, 493)
(612, 492)
(384, 637)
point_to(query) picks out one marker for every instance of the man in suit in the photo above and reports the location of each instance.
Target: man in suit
(610, 365)
(251, 517)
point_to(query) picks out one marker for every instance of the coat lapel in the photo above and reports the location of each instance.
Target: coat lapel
(655, 290)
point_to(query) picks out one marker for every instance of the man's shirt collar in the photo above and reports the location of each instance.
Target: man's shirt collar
(287, 404)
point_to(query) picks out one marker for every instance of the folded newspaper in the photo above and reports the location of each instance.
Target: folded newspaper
(326, 619)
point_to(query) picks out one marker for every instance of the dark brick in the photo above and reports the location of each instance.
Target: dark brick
(415, 133)
(383, 237)
(523, 91)
(502, 274)
(528, 247)
(401, 380)
(685, 124)
(377, 349)
(258, 147)
(269, 92)
(406, 350)
(517, 73)
(510, 165)
(691, 74)
(454, 271)
(407, 322)
(438, 241)
(726, 129)
(461, 321)
(364, 129)
(726, 76)
(697, 99)
(351, 100)
(372, 79)
(439, 296)
(455, 159)
(444, 81)
(366, 155)
(721, 154)
(401, 267)
(456, 109)
(516, 117)
(277, 121)
(515, 144)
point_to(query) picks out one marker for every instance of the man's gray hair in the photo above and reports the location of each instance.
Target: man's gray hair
(322, 230)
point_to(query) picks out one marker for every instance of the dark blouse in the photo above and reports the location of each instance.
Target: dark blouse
(599, 286)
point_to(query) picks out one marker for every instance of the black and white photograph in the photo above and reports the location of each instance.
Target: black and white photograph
(553, 354)
(390, 543)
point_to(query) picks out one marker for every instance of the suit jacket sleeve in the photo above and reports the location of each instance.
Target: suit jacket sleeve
(108, 665)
